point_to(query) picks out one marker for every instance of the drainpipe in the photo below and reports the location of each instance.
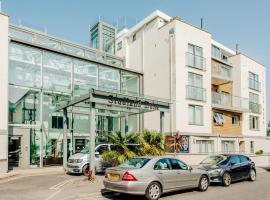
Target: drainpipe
(171, 36)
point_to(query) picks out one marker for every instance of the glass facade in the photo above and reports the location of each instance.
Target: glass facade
(39, 79)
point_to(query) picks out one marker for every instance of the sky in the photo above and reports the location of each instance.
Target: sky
(243, 21)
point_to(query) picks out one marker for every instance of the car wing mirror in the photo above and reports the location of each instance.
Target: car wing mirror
(97, 154)
(190, 168)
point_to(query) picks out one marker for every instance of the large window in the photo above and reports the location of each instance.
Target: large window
(24, 66)
(129, 83)
(195, 56)
(254, 105)
(109, 78)
(195, 115)
(57, 72)
(85, 76)
(253, 123)
(195, 88)
(205, 146)
(228, 146)
(254, 81)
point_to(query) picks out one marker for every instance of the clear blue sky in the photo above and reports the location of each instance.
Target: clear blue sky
(230, 21)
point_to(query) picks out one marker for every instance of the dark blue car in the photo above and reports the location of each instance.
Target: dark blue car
(227, 168)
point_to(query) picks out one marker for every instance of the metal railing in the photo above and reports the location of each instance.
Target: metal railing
(195, 61)
(254, 107)
(253, 84)
(229, 101)
(221, 71)
(195, 93)
(39, 38)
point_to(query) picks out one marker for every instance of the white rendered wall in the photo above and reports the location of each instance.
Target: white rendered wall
(4, 92)
(185, 34)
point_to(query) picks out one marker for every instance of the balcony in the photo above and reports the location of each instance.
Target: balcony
(254, 85)
(229, 102)
(195, 93)
(221, 73)
(255, 107)
(195, 61)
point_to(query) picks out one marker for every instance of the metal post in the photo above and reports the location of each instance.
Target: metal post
(92, 137)
(162, 122)
(65, 139)
(41, 131)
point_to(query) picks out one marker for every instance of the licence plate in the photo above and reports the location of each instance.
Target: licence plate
(113, 177)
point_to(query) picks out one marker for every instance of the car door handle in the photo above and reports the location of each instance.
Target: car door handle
(178, 172)
(160, 172)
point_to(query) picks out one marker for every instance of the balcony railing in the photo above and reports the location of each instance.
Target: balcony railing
(253, 84)
(255, 107)
(195, 61)
(195, 93)
(227, 101)
(221, 71)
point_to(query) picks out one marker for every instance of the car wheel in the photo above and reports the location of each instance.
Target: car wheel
(153, 191)
(226, 179)
(204, 183)
(252, 175)
(85, 170)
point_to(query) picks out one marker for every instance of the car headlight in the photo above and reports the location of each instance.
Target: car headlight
(215, 172)
(78, 160)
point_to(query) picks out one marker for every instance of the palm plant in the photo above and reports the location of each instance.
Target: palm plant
(121, 152)
(151, 143)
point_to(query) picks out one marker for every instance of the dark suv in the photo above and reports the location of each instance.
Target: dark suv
(227, 168)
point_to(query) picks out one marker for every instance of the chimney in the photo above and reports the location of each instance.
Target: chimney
(237, 48)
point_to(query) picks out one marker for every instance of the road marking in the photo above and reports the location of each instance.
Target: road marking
(53, 194)
(61, 184)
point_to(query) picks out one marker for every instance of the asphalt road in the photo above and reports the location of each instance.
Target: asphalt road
(66, 187)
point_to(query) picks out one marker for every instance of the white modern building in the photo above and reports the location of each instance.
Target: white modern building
(161, 74)
(218, 94)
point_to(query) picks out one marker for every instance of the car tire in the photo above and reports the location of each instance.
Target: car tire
(85, 170)
(203, 183)
(252, 175)
(153, 191)
(226, 179)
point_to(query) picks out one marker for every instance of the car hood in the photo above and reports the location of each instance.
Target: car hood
(206, 167)
(78, 156)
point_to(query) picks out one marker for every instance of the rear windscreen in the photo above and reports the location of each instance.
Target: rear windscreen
(134, 163)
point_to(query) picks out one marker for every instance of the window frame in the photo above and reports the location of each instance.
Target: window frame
(194, 120)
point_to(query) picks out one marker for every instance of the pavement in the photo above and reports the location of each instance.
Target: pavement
(54, 184)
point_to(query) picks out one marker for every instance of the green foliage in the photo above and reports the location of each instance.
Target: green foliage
(260, 152)
(151, 143)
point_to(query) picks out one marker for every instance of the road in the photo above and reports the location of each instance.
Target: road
(66, 187)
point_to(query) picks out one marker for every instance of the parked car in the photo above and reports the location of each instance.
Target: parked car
(228, 168)
(154, 176)
(79, 162)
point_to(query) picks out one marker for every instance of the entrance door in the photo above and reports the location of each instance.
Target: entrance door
(14, 152)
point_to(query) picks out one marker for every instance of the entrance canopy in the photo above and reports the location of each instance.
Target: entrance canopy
(108, 101)
(115, 101)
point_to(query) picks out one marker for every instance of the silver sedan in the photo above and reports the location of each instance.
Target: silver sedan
(153, 177)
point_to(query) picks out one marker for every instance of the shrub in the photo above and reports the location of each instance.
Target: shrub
(260, 152)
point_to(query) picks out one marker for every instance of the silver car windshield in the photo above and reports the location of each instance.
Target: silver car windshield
(134, 163)
(85, 151)
(213, 160)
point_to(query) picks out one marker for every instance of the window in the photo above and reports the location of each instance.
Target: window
(195, 88)
(254, 81)
(178, 165)
(109, 78)
(58, 122)
(234, 159)
(195, 115)
(236, 120)
(253, 122)
(205, 146)
(251, 146)
(218, 118)
(162, 164)
(227, 146)
(195, 56)
(253, 97)
(195, 80)
(243, 159)
(119, 46)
